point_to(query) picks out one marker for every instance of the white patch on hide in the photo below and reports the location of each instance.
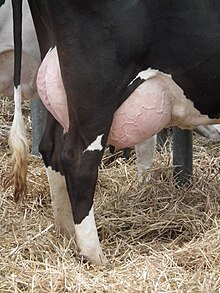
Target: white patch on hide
(147, 74)
(88, 241)
(96, 145)
(60, 203)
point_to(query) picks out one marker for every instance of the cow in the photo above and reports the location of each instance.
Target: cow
(30, 65)
(168, 51)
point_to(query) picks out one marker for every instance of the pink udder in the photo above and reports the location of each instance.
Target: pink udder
(143, 114)
(146, 112)
(51, 90)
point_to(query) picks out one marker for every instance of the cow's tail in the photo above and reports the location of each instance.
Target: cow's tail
(17, 138)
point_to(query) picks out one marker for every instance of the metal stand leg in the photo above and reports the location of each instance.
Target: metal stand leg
(182, 156)
(38, 118)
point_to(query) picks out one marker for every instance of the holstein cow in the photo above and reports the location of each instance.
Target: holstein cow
(165, 55)
(30, 65)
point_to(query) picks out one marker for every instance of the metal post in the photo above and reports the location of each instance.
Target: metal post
(182, 156)
(38, 118)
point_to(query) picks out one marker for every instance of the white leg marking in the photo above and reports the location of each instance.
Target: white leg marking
(145, 154)
(96, 145)
(88, 241)
(60, 203)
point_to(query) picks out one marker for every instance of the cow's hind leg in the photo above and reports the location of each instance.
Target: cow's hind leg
(60, 203)
(145, 154)
(80, 165)
(50, 148)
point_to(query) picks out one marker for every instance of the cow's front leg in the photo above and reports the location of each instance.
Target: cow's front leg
(80, 164)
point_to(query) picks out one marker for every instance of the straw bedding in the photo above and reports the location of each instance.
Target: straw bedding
(157, 238)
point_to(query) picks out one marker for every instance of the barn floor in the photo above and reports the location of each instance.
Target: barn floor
(157, 238)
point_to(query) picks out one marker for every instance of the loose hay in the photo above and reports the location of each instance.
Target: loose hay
(157, 238)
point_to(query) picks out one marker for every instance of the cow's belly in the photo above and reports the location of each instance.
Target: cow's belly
(155, 104)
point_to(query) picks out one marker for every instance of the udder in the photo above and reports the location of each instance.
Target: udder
(144, 113)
